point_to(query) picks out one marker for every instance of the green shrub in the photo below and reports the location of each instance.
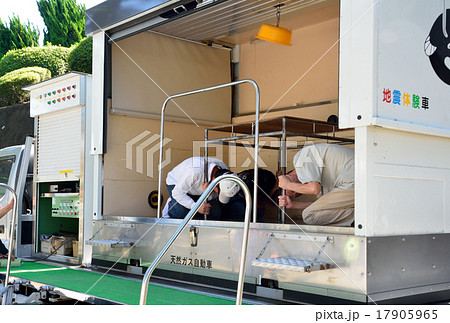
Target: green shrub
(53, 58)
(11, 84)
(80, 58)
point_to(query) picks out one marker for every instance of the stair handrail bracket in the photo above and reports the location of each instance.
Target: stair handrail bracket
(189, 216)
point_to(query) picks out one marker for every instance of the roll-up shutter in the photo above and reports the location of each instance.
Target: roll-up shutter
(59, 144)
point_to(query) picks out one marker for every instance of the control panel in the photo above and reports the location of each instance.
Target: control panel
(66, 206)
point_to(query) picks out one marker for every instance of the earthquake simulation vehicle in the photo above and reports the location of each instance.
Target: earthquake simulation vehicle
(175, 79)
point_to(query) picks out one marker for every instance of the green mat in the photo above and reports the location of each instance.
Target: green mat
(112, 288)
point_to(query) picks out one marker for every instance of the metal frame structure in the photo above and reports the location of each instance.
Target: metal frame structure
(212, 88)
(20, 189)
(282, 128)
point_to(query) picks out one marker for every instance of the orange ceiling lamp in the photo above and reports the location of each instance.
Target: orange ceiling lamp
(275, 34)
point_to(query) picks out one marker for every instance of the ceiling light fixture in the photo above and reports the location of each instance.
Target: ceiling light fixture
(275, 34)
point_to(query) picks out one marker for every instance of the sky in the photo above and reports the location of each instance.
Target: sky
(28, 10)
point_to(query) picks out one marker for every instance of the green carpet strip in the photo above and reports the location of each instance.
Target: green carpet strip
(112, 288)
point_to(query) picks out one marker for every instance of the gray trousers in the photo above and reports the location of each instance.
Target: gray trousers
(334, 208)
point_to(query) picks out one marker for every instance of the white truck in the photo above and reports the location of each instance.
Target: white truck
(381, 66)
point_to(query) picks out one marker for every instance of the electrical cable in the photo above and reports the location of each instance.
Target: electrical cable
(50, 254)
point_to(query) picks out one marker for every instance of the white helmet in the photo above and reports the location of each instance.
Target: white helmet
(227, 188)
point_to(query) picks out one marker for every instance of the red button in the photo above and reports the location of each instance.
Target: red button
(74, 86)
(68, 98)
(73, 96)
(68, 87)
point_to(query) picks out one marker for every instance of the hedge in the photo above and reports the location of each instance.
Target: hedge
(80, 58)
(11, 84)
(53, 58)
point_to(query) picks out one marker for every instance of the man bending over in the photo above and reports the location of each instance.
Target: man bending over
(326, 170)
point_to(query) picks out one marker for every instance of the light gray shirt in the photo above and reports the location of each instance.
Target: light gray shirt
(330, 165)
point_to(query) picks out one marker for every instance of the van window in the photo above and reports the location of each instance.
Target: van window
(6, 164)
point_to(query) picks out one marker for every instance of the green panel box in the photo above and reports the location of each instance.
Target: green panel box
(66, 206)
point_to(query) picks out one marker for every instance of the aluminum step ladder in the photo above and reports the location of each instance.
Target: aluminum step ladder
(121, 242)
(294, 263)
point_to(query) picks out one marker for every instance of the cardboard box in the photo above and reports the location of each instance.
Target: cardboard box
(51, 243)
(62, 245)
(75, 248)
(46, 243)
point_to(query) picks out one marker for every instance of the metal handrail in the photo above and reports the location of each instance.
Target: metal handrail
(221, 86)
(189, 216)
(11, 235)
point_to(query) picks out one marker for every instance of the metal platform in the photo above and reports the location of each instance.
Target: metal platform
(290, 264)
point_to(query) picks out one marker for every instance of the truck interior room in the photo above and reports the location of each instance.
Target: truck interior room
(196, 57)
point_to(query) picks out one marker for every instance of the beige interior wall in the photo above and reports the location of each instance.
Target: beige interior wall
(289, 76)
(306, 72)
(126, 189)
(148, 67)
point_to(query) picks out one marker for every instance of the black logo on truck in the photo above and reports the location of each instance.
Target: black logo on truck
(437, 46)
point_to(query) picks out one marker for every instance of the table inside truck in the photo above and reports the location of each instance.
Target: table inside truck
(284, 127)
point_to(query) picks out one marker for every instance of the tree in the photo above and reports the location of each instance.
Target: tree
(5, 39)
(23, 35)
(17, 35)
(64, 21)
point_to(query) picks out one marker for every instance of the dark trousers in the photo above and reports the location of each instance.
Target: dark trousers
(234, 210)
(178, 211)
(3, 249)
